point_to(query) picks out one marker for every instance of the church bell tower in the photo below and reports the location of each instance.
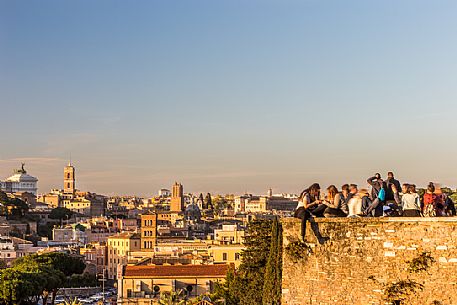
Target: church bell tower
(69, 179)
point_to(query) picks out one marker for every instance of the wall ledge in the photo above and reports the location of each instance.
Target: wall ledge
(373, 219)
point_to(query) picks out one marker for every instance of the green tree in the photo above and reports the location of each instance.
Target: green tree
(173, 298)
(3, 197)
(245, 287)
(273, 270)
(12, 207)
(43, 276)
(209, 202)
(56, 267)
(74, 301)
(80, 227)
(60, 214)
(82, 280)
(20, 285)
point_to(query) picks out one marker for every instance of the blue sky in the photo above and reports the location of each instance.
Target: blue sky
(228, 96)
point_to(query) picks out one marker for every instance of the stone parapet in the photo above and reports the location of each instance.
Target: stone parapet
(366, 260)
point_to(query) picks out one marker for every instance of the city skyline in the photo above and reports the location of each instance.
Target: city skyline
(58, 182)
(228, 97)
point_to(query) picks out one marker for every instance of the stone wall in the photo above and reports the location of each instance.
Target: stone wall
(358, 261)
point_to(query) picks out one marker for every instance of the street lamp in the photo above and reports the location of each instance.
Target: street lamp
(103, 286)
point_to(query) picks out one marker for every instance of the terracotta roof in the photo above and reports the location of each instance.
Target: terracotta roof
(218, 270)
(125, 235)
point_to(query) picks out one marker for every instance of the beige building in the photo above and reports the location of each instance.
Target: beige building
(85, 206)
(141, 285)
(119, 248)
(229, 234)
(262, 204)
(95, 256)
(256, 204)
(52, 199)
(227, 254)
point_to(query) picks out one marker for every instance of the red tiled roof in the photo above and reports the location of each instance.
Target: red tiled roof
(176, 271)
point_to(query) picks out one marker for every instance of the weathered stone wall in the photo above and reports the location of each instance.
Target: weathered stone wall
(355, 261)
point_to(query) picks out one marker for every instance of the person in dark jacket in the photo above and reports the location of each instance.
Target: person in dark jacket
(376, 184)
(389, 190)
(376, 207)
(450, 206)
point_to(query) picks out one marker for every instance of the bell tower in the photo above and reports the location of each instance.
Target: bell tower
(69, 179)
(177, 198)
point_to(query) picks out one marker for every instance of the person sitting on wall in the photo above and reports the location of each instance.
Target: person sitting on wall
(335, 202)
(358, 203)
(376, 183)
(309, 205)
(353, 190)
(430, 202)
(450, 206)
(411, 202)
(391, 183)
(393, 207)
(376, 207)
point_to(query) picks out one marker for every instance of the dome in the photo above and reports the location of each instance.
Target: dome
(192, 212)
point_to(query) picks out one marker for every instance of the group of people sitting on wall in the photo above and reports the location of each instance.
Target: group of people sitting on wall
(387, 198)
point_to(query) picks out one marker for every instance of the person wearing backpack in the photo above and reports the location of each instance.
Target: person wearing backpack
(430, 201)
(376, 207)
(376, 183)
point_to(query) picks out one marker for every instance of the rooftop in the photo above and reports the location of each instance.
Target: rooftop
(177, 271)
(126, 235)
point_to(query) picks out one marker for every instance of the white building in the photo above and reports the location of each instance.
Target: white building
(164, 193)
(20, 182)
(7, 250)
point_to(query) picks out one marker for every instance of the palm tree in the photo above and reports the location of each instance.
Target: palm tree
(74, 301)
(173, 298)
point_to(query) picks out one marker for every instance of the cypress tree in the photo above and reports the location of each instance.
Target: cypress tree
(245, 287)
(273, 269)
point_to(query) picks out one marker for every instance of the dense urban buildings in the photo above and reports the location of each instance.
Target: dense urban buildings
(147, 246)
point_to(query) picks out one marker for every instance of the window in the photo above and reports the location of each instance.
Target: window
(237, 256)
(224, 256)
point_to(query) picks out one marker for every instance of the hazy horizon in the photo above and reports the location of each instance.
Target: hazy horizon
(228, 96)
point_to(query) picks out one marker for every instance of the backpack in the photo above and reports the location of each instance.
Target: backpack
(430, 211)
(382, 194)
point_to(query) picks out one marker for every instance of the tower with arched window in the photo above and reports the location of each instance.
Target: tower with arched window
(69, 179)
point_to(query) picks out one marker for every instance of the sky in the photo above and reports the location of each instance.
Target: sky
(228, 96)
